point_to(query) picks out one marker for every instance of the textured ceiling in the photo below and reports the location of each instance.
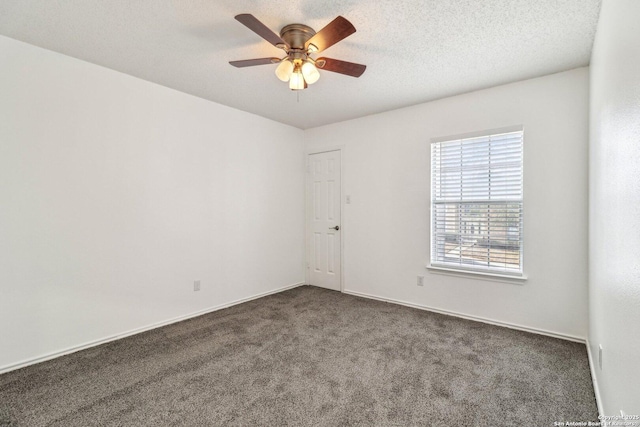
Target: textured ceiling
(415, 50)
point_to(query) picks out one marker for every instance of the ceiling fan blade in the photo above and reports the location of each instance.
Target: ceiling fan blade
(342, 67)
(336, 30)
(252, 62)
(260, 29)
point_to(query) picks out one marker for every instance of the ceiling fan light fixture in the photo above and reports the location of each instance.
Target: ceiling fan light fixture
(310, 72)
(284, 70)
(296, 82)
(299, 42)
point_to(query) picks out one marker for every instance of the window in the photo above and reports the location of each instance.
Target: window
(476, 203)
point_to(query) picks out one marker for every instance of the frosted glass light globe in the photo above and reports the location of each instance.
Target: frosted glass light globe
(284, 69)
(310, 72)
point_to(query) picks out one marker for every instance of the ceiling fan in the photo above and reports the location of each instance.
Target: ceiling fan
(299, 42)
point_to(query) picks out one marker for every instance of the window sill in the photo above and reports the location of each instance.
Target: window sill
(494, 277)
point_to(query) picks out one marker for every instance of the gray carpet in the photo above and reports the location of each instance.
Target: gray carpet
(309, 356)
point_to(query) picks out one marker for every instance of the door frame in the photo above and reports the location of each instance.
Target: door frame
(307, 228)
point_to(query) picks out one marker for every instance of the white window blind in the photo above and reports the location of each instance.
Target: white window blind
(476, 203)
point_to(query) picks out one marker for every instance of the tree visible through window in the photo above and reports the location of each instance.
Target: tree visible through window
(476, 203)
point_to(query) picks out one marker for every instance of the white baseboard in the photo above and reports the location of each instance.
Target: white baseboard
(594, 379)
(53, 355)
(470, 317)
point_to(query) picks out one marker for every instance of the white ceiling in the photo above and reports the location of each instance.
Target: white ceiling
(415, 50)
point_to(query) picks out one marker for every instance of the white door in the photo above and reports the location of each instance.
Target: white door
(323, 220)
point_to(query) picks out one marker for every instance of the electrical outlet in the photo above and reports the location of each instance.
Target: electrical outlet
(348, 199)
(196, 285)
(420, 280)
(600, 356)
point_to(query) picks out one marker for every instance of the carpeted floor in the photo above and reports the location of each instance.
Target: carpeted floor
(310, 356)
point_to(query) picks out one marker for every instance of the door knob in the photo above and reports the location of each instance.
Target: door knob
(337, 227)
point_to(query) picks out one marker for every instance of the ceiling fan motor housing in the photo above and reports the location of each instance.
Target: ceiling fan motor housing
(296, 35)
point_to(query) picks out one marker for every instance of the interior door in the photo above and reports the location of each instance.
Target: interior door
(323, 220)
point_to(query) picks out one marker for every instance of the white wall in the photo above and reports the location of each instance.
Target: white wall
(386, 226)
(116, 193)
(614, 206)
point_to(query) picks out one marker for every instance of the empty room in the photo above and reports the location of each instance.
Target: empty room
(251, 212)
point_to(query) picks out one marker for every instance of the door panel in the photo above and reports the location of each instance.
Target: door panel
(323, 215)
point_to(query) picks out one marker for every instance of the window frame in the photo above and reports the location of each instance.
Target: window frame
(469, 271)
